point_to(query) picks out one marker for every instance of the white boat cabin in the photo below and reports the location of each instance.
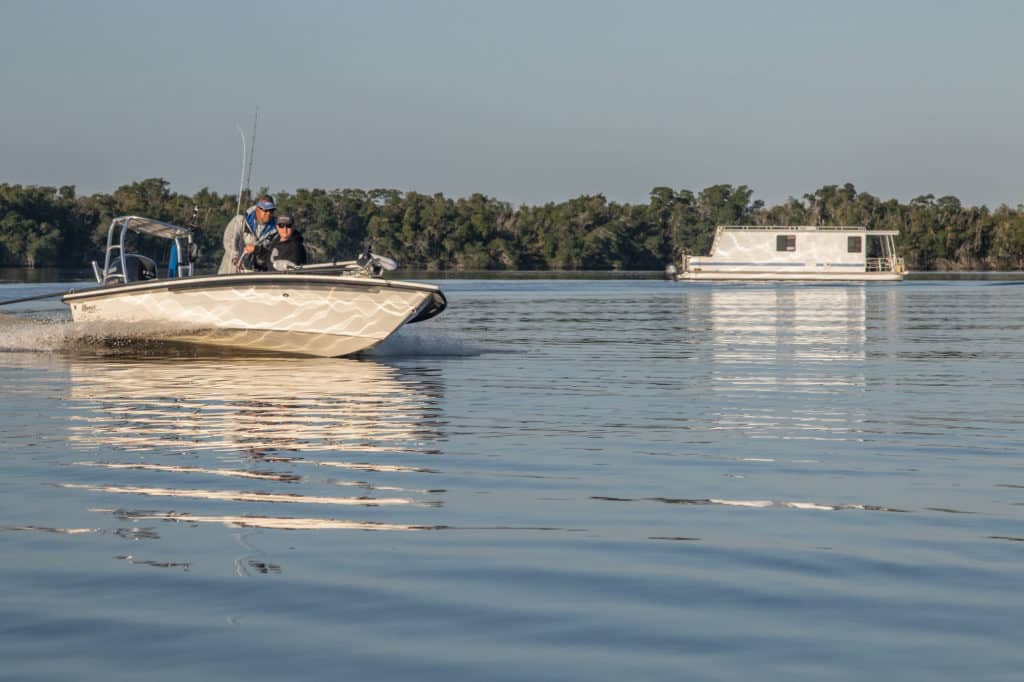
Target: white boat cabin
(797, 252)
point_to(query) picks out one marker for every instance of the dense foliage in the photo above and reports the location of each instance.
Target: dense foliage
(47, 226)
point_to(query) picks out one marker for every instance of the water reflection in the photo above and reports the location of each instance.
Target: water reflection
(244, 496)
(253, 405)
(126, 533)
(759, 504)
(780, 356)
(261, 521)
(237, 437)
(792, 323)
(185, 566)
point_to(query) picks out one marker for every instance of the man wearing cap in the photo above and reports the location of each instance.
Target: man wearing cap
(244, 232)
(288, 250)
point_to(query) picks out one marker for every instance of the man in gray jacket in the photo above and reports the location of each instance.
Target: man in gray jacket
(244, 232)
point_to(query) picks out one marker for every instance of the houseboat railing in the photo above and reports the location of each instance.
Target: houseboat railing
(799, 228)
(891, 264)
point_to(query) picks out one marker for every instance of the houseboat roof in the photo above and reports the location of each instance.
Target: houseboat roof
(859, 229)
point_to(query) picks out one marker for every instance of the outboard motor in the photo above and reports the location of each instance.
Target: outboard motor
(138, 268)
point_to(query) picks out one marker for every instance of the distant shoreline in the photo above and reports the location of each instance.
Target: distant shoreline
(25, 275)
(47, 226)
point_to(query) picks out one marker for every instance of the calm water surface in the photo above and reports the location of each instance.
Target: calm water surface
(554, 480)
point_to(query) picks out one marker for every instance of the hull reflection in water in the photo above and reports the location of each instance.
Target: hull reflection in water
(798, 322)
(769, 342)
(258, 434)
(252, 404)
(275, 522)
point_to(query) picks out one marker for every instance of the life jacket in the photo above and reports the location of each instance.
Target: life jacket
(252, 226)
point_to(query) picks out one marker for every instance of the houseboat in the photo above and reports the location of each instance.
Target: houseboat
(797, 252)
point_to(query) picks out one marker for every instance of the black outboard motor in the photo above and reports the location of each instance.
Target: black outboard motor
(138, 268)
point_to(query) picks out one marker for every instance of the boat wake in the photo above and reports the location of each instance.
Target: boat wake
(25, 334)
(412, 342)
(48, 335)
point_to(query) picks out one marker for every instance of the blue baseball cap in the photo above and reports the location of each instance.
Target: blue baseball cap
(266, 203)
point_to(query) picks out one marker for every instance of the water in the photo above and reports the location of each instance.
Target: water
(557, 480)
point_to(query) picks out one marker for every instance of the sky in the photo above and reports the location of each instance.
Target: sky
(527, 101)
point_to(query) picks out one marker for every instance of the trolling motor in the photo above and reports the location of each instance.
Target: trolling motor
(373, 264)
(365, 261)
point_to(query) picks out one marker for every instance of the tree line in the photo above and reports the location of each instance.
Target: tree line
(52, 226)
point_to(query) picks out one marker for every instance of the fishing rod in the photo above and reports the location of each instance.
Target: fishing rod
(252, 148)
(42, 296)
(241, 180)
(247, 157)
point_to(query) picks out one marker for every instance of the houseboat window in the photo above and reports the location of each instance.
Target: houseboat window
(853, 245)
(785, 242)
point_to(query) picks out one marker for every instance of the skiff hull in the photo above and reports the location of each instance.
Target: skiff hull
(320, 315)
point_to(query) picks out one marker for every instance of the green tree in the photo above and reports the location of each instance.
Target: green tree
(1008, 240)
(54, 226)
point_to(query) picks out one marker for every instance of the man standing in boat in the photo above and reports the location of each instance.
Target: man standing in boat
(244, 232)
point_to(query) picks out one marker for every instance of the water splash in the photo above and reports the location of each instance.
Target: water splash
(19, 334)
(410, 341)
(24, 334)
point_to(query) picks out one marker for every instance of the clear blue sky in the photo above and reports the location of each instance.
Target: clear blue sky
(525, 101)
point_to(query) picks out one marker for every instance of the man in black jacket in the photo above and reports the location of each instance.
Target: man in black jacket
(288, 248)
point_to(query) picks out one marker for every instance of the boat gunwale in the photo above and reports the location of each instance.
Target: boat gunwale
(285, 280)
